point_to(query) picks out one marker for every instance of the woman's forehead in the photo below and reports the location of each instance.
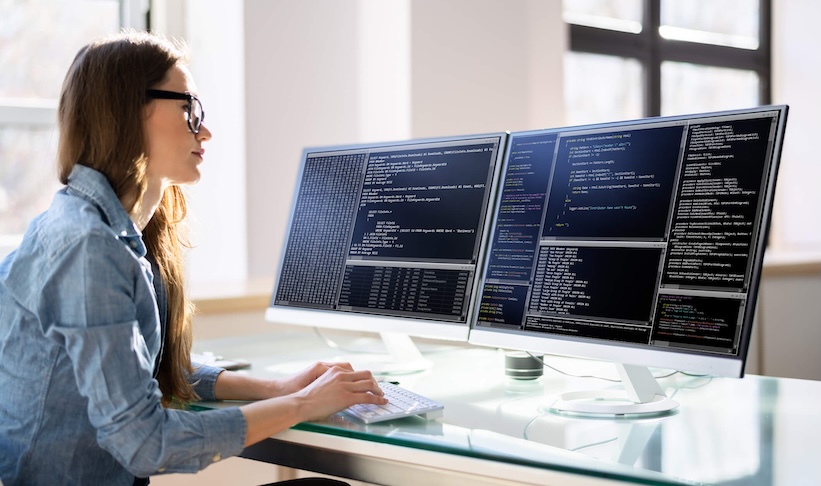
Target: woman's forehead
(180, 79)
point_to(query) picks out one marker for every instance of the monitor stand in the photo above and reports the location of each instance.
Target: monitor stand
(402, 357)
(641, 396)
(633, 441)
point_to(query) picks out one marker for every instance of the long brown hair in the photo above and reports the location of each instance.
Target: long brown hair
(100, 119)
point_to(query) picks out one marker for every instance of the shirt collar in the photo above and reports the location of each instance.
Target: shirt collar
(94, 187)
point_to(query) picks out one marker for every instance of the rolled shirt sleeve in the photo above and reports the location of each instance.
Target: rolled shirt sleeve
(204, 380)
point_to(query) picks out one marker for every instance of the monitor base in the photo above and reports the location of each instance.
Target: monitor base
(641, 397)
(402, 357)
(383, 364)
(610, 402)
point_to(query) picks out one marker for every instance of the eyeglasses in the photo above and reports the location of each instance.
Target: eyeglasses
(196, 115)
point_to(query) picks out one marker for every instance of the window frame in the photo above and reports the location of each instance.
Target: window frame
(651, 50)
(42, 111)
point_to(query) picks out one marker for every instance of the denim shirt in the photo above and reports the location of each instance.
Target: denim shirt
(80, 334)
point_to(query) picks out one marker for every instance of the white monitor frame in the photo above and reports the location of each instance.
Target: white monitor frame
(640, 354)
(389, 326)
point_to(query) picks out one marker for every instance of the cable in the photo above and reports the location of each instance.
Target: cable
(540, 360)
(594, 444)
(524, 432)
(612, 380)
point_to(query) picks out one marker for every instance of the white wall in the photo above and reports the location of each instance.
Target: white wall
(303, 78)
(214, 32)
(486, 65)
(790, 330)
(325, 72)
(796, 76)
(329, 72)
(790, 307)
(218, 227)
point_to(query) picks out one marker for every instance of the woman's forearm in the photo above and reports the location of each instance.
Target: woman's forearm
(269, 417)
(237, 386)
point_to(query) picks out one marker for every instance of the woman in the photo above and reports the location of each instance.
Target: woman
(95, 330)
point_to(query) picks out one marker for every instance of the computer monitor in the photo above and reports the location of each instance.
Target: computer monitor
(638, 242)
(387, 238)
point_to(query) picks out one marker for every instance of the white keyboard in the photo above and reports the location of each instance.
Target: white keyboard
(401, 403)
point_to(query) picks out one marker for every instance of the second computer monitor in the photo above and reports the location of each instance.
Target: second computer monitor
(637, 242)
(387, 237)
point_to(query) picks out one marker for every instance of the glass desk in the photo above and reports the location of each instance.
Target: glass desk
(496, 430)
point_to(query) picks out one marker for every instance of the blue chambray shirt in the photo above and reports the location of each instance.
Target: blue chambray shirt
(79, 336)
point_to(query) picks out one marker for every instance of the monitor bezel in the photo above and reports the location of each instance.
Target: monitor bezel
(368, 322)
(639, 354)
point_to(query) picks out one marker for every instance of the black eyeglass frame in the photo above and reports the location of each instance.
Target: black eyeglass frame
(161, 94)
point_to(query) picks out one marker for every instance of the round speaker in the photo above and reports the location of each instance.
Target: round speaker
(519, 365)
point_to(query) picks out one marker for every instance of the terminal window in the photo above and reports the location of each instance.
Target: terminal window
(391, 230)
(640, 233)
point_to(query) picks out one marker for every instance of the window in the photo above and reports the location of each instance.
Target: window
(632, 58)
(638, 58)
(38, 41)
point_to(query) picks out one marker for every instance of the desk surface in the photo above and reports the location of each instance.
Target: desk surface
(495, 430)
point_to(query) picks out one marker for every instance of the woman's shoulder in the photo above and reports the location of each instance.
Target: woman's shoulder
(71, 220)
(70, 226)
(62, 248)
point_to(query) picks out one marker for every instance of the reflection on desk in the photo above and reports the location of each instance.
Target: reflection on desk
(753, 431)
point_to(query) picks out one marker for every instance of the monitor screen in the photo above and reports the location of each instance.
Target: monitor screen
(638, 242)
(387, 237)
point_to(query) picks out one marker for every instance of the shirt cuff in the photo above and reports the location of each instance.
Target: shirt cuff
(226, 430)
(204, 380)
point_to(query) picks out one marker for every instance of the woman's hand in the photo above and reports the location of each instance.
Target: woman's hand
(239, 386)
(307, 376)
(338, 387)
(320, 391)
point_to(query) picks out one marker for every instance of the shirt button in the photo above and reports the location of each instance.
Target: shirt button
(216, 457)
(133, 244)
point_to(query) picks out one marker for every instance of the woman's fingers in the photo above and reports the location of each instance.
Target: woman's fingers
(367, 385)
(335, 364)
(358, 382)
